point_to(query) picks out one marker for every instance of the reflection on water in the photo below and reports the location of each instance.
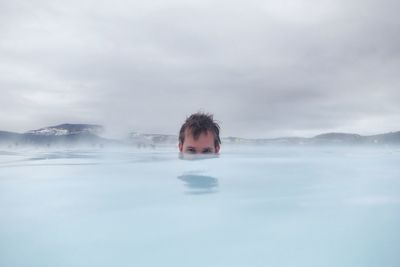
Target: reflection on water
(199, 184)
(193, 181)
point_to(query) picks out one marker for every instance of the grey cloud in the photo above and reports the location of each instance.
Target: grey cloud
(264, 68)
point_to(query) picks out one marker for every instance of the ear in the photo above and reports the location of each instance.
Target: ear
(217, 149)
(180, 145)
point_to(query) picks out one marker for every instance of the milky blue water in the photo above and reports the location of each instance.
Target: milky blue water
(268, 206)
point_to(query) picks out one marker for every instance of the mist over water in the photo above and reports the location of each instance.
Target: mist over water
(251, 206)
(94, 93)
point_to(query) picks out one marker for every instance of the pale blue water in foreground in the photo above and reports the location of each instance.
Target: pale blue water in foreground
(250, 207)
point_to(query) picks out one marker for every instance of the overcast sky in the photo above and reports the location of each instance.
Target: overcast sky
(264, 68)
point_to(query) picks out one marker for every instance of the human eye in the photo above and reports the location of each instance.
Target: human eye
(207, 151)
(191, 150)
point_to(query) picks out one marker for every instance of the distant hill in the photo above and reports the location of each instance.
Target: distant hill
(392, 138)
(88, 135)
(356, 139)
(337, 138)
(59, 135)
(68, 129)
(388, 138)
(322, 139)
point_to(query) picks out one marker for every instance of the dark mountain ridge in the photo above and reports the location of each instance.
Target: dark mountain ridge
(59, 135)
(68, 128)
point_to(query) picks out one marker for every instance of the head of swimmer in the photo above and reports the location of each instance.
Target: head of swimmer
(199, 134)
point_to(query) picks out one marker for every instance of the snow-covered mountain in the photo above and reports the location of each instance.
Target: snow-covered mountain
(59, 135)
(67, 129)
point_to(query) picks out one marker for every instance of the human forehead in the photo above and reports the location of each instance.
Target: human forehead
(203, 136)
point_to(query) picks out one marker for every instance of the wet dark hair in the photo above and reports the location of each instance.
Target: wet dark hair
(199, 123)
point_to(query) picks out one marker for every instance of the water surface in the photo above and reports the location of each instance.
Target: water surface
(252, 206)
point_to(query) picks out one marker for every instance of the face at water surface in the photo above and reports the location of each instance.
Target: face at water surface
(204, 144)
